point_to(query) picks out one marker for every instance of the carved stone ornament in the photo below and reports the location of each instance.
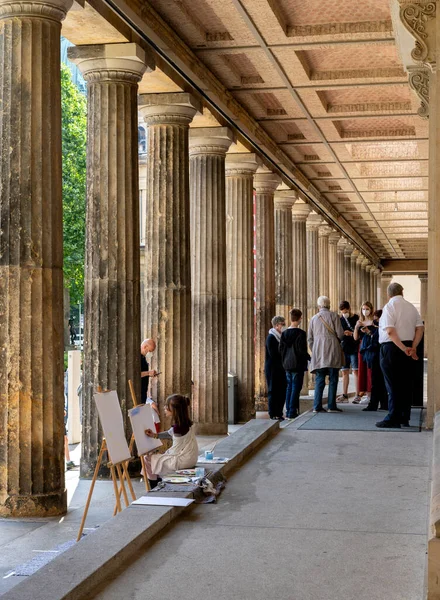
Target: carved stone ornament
(419, 82)
(415, 18)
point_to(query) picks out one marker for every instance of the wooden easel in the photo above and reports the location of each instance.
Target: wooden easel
(118, 470)
(147, 485)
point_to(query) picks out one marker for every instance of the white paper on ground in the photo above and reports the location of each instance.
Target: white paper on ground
(217, 460)
(141, 418)
(162, 501)
(110, 415)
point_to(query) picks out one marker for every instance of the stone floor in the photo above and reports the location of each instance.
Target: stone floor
(322, 515)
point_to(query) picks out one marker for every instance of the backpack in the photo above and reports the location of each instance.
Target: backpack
(292, 356)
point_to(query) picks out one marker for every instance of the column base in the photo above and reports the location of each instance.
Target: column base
(261, 404)
(40, 505)
(211, 428)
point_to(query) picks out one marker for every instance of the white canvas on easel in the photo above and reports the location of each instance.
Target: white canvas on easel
(110, 416)
(141, 418)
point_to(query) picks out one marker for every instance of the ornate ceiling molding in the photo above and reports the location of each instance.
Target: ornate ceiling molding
(419, 82)
(415, 18)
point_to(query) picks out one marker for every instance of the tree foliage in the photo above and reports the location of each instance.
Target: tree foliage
(74, 142)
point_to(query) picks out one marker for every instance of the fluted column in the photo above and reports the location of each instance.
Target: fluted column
(359, 281)
(31, 260)
(354, 280)
(348, 251)
(333, 269)
(341, 271)
(167, 250)
(112, 276)
(372, 283)
(313, 223)
(265, 183)
(283, 201)
(376, 287)
(207, 151)
(365, 280)
(384, 283)
(424, 306)
(240, 277)
(300, 212)
(324, 284)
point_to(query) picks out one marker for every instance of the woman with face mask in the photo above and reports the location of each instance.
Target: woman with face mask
(364, 373)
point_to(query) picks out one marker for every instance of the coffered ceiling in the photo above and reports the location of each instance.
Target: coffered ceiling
(325, 81)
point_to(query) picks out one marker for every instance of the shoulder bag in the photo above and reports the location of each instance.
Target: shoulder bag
(327, 326)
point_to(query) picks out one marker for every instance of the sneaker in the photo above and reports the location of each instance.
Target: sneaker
(365, 401)
(318, 410)
(387, 425)
(357, 399)
(342, 398)
(280, 419)
(70, 465)
(335, 410)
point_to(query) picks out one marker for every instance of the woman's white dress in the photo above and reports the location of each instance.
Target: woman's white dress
(182, 455)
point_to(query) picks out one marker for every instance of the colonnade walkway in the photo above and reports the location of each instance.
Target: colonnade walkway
(315, 514)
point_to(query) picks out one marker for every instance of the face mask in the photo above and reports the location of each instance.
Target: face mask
(149, 355)
(345, 314)
(365, 312)
(283, 328)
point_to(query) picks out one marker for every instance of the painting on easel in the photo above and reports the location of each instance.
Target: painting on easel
(110, 415)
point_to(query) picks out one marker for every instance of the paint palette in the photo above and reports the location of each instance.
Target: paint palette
(176, 479)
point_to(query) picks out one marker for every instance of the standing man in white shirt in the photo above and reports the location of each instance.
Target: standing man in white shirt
(400, 331)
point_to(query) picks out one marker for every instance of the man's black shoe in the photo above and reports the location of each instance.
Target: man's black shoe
(405, 424)
(368, 409)
(387, 425)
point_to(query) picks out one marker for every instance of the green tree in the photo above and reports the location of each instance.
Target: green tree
(74, 142)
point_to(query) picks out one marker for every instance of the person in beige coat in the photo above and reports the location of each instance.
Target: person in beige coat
(324, 339)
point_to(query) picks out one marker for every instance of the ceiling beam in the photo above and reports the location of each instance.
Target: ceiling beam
(405, 266)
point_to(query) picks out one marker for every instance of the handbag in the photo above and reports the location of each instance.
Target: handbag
(336, 336)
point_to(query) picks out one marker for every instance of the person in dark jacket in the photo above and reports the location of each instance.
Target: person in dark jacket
(273, 369)
(294, 355)
(378, 396)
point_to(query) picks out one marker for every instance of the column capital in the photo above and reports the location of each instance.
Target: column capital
(324, 231)
(334, 238)
(265, 181)
(423, 277)
(245, 163)
(342, 244)
(115, 62)
(177, 108)
(355, 255)
(285, 198)
(418, 18)
(210, 140)
(365, 262)
(348, 250)
(54, 10)
(388, 276)
(314, 221)
(360, 259)
(300, 211)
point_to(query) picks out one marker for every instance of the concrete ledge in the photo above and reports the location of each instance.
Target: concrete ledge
(75, 573)
(434, 518)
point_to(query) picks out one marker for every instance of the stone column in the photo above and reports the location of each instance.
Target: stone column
(372, 286)
(341, 270)
(333, 269)
(324, 284)
(377, 287)
(167, 249)
(314, 221)
(354, 281)
(112, 276)
(359, 282)
(365, 280)
(283, 201)
(31, 261)
(424, 306)
(348, 251)
(240, 169)
(300, 212)
(384, 283)
(207, 151)
(265, 183)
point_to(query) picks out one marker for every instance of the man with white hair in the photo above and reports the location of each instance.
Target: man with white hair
(148, 346)
(400, 332)
(324, 339)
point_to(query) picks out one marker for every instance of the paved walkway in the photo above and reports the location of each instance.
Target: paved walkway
(322, 515)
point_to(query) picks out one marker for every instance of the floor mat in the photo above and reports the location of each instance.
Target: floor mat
(355, 419)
